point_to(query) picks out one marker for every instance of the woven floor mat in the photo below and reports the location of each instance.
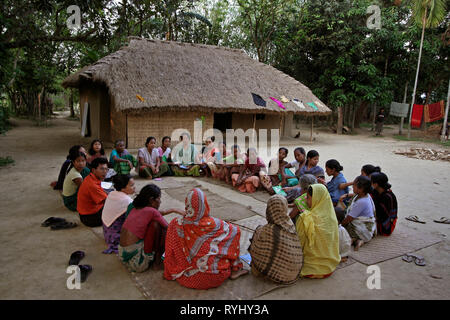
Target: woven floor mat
(402, 241)
(349, 262)
(164, 183)
(247, 287)
(251, 223)
(221, 208)
(260, 195)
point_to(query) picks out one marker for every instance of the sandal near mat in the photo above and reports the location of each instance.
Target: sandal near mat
(443, 220)
(52, 220)
(63, 225)
(418, 260)
(414, 219)
(76, 257)
(408, 258)
(85, 270)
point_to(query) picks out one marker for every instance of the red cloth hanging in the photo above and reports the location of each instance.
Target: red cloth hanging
(434, 112)
(416, 117)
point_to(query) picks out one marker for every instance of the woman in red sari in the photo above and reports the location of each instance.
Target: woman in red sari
(201, 251)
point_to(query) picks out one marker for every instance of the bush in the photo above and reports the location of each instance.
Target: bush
(4, 115)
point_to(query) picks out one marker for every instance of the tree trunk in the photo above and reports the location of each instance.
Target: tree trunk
(360, 113)
(417, 71)
(72, 111)
(353, 117)
(340, 120)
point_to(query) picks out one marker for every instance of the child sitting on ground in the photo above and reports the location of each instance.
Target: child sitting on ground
(67, 165)
(360, 220)
(96, 150)
(114, 212)
(121, 160)
(345, 242)
(73, 180)
(284, 176)
(299, 162)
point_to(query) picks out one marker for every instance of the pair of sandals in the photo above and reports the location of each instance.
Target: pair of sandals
(418, 260)
(58, 223)
(416, 219)
(85, 269)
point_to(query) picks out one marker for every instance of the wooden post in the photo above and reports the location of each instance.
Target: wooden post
(340, 122)
(404, 101)
(312, 125)
(254, 127)
(39, 108)
(444, 124)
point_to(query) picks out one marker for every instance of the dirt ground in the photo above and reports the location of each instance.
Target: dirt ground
(34, 259)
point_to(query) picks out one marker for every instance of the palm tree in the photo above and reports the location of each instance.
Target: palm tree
(428, 13)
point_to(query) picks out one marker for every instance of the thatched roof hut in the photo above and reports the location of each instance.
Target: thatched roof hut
(162, 78)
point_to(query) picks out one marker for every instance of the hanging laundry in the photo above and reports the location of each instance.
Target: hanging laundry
(399, 109)
(299, 103)
(284, 99)
(433, 112)
(312, 105)
(258, 100)
(140, 98)
(416, 117)
(279, 103)
(320, 104)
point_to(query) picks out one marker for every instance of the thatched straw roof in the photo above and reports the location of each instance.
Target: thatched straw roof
(174, 76)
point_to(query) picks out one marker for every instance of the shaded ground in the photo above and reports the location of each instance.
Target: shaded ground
(34, 259)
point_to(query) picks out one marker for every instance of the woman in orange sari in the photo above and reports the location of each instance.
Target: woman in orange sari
(201, 251)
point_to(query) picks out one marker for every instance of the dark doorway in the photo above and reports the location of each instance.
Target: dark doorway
(223, 121)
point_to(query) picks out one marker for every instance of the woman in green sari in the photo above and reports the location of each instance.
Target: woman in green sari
(183, 157)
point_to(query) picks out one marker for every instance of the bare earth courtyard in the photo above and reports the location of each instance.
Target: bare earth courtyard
(34, 259)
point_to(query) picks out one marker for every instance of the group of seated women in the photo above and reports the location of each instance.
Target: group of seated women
(311, 223)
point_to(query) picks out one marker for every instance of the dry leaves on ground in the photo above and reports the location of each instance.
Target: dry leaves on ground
(425, 154)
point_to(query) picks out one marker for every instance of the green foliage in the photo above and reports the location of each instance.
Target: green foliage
(4, 115)
(324, 44)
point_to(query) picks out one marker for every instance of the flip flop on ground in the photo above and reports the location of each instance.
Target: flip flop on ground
(414, 219)
(63, 225)
(51, 221)
(85, 270)
(443, 220)
(76, 257)
(418, 260)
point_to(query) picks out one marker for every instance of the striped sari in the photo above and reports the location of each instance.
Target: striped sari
(201, 251)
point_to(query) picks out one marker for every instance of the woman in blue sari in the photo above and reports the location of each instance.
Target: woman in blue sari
(311, 167)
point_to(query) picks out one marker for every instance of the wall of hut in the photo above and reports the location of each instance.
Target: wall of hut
(99, 110)
(159, 124)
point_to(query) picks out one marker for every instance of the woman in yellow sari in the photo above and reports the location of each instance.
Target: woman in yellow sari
(318, 231)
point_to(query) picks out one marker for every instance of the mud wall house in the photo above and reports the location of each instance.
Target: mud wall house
(151, 87)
